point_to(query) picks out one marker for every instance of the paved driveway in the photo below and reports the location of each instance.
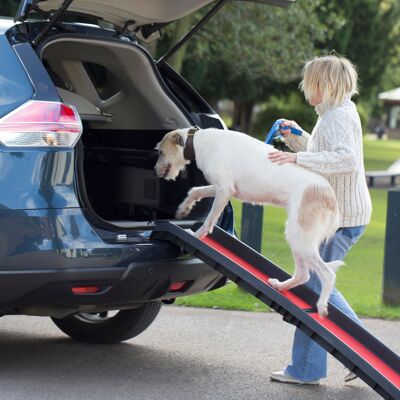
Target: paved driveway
(186, 354)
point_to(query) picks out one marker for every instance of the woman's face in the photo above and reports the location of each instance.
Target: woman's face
(316, 98)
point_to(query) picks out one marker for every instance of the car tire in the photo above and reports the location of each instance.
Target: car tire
(102, 328)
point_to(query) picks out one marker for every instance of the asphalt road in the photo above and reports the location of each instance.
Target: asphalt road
(186, 354)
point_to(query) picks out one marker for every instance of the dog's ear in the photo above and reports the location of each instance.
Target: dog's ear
(177, 139)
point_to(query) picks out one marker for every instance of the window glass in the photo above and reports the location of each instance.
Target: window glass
(104, 81)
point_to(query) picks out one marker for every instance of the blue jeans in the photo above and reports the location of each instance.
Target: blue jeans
(309, 360)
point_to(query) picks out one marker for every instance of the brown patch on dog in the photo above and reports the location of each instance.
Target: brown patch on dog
(317, 202)
(170, 141)
(170, 160)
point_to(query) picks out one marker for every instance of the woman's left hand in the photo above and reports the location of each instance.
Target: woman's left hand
(281, 157)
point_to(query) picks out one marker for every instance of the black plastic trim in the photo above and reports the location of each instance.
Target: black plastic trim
(138, 282)
(172, 76)
(44, 89)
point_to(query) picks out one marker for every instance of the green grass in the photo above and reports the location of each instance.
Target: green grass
(360, 280)
(379, 154)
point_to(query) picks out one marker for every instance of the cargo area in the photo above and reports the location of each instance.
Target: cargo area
(120, 180)
(126, 108)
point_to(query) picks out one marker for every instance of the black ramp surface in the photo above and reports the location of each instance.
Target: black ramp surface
(347, 341)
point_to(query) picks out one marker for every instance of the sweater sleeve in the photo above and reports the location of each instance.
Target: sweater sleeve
(342, 156)
(297, 143)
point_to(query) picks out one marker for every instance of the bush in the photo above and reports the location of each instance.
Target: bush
(292, 107)
(364, 112)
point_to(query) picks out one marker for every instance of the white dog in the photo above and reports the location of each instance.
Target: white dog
(236, 165)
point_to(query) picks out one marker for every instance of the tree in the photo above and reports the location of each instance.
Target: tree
(248, 52)
(8, 7)
(181, 28)
(368, 37)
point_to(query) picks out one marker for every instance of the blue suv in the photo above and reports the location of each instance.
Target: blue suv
(82, 106)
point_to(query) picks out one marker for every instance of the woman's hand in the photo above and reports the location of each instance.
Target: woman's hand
(281, 157)
(286, 124)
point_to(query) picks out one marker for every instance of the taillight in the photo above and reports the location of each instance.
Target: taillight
(176, 286)
(85, 289)
(41, 124)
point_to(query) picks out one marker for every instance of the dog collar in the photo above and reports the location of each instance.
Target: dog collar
(188, 151)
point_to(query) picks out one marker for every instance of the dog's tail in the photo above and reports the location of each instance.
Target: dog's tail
(335, 265)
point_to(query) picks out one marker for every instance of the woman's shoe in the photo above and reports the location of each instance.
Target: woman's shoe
(284, 377)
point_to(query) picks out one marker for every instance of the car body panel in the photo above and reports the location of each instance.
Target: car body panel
(60, 238)
(37, 179)
(15, 86)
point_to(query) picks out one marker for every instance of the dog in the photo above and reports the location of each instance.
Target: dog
(237, 165)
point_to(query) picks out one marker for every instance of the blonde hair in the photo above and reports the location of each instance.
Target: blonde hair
(335, 76)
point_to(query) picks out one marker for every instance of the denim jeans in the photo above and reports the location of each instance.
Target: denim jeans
(309, 360)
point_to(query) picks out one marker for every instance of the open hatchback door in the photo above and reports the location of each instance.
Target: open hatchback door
(132, 15)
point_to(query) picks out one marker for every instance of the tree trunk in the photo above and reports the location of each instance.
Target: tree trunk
(182, 27)
(242, 113)
(152, 48)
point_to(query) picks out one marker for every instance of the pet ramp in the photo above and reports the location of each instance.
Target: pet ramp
(347, 341)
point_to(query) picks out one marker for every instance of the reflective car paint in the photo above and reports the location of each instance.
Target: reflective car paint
(34, 179)
(63, 238)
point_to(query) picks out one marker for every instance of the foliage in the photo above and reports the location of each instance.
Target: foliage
(391, 75)
(369, 37)
(246, 52)
(364, 110)
(250, 52)
(8, 7)
(293, 106)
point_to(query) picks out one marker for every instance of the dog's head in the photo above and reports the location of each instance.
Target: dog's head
(170, 155)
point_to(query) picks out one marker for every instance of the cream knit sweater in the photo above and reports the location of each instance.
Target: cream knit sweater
(334, 150)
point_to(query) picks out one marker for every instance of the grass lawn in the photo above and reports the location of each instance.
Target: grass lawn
(360, 280)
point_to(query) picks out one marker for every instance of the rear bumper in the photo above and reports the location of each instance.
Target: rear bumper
(44, 253)
(50, 291)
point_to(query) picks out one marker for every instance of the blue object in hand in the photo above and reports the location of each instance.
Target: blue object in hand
(276, 127)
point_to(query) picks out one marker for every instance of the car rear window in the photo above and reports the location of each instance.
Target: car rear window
(8, 8)
(104, 81)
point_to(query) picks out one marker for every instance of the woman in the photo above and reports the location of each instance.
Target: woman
(334, 150)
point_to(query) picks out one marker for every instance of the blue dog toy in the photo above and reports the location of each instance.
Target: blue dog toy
(276, 127)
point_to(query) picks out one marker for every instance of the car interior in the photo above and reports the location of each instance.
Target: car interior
(126, 109)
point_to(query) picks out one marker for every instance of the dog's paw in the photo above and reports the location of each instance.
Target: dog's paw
(182, 211)
(180, 214)
(201, 233)
(322, 310)
(275, 283)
